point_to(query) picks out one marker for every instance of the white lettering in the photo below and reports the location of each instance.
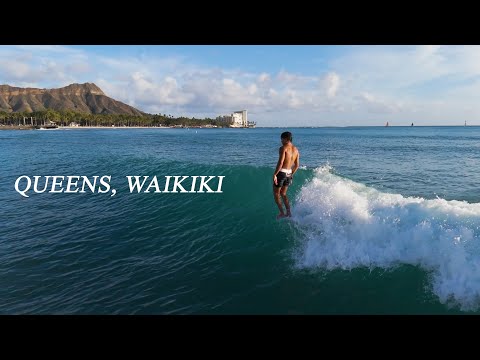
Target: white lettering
(106, 184)
(29, 183)
(35, 184)
(70, 183)
(54, 184)
(166, 184)
(192, 190)
(153, 183)
(90, 185)
(220, 180)
(137, 183)
(177, 184)
(203, 184)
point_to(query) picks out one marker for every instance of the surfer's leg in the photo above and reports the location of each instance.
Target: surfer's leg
(276, 196)
(285, 200)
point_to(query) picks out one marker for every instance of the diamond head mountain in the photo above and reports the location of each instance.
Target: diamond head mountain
(86, 105)
(83, 98)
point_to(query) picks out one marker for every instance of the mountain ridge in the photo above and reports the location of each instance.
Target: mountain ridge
(84, 98)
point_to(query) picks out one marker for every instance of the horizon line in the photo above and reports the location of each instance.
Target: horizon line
(339, 126)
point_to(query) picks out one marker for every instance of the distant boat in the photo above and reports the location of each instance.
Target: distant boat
(465, 122)
(386, 124)
(45, 127)
(411, 125)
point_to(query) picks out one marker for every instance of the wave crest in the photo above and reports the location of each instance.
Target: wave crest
(345, 225)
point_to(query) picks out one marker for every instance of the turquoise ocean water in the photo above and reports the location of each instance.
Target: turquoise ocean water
(385, 221)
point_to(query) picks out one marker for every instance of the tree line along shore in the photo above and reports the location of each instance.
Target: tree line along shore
(68, 118)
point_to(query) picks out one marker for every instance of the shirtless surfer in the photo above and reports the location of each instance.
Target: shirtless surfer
(288, 155)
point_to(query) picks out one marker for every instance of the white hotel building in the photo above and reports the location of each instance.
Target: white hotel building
(237, 119)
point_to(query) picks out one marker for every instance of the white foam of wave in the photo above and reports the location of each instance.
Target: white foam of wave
(345, 225)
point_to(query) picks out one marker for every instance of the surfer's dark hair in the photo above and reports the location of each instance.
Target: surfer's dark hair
(287, 135)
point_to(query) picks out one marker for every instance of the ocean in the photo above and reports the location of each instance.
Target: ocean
(386, 220)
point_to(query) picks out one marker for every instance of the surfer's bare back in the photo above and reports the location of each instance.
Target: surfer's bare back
(288, 155)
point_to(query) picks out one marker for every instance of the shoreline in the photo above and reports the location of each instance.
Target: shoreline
(16, 127)
(110, 127)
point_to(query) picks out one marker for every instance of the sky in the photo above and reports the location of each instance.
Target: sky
(278, 85)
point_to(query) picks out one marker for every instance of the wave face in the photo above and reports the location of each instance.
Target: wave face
(226, 253)
(346, 225)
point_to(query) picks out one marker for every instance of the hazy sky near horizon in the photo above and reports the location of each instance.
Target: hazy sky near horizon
(278, 85)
